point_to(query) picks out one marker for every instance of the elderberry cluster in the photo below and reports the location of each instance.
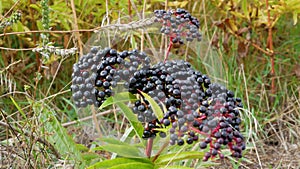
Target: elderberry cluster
(178, 24)
(195, 110)
(99, 71)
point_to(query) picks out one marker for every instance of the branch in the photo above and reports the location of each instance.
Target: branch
(49, 31)
(14, 49)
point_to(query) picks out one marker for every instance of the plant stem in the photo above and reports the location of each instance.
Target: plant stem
(75, 26)
(149, 147)
(168, 51)
(270, 47)
(160, 150)
(129, 10)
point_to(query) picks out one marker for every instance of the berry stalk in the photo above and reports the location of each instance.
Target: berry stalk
(168, 50)
(149, 147)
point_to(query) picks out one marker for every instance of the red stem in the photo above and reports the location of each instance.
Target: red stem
(149, 147)
(168, 50)
(200, 132)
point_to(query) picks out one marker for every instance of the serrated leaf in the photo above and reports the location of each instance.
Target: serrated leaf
(119, 161)
(155, 107)
(165, 159)
(137, 126)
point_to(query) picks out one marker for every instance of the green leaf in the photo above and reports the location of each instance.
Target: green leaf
(118, 142)
(119, 161)
(119, 97)
(113, 141)
(121, 150)
(133, 166)
(155, 107)
(165, 159)
(137, 126)
(82, 147)
(89, 156)
(171, 167)
(107, 102)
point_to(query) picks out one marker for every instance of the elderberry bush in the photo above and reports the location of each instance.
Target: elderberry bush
(178, 24)
(196, 110)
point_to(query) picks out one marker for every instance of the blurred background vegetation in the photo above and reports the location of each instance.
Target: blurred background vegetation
(252, 47)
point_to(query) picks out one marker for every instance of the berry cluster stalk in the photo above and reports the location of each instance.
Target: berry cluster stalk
(149, 147)
(168, 51)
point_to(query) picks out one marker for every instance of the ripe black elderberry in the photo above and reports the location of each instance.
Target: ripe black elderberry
(178, 24)
(99, 71)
